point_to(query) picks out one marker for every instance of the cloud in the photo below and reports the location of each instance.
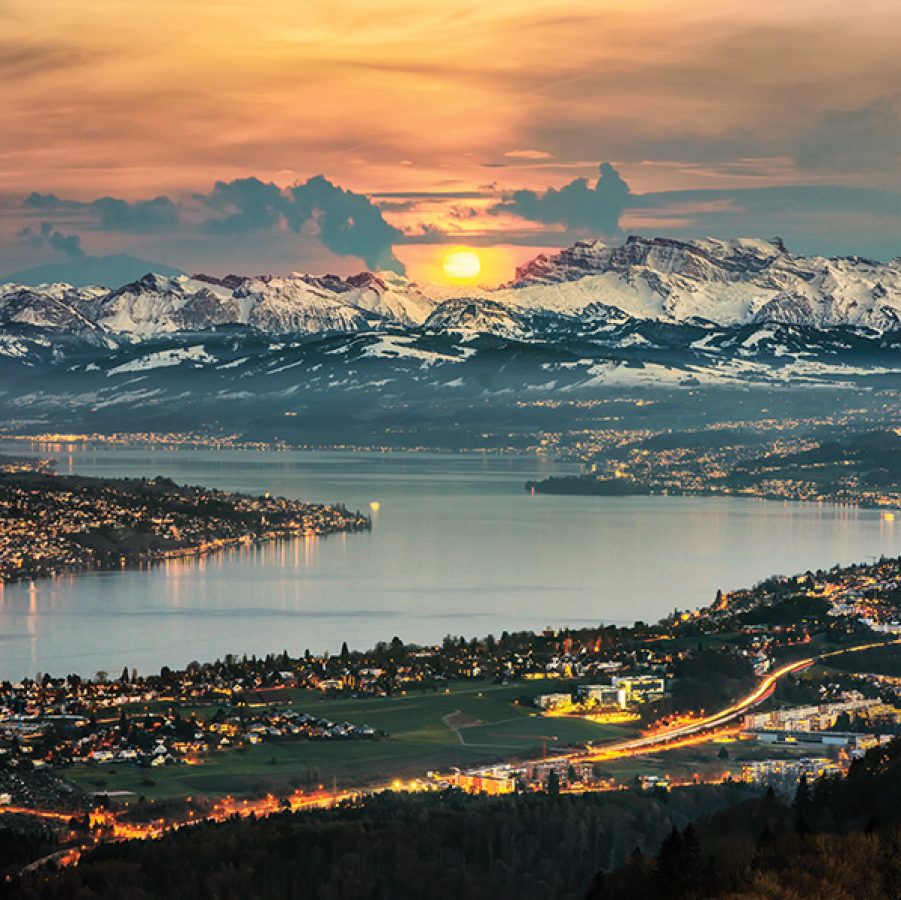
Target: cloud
(48, 237)
(243, 205)
(158, 214)
(818, 219)
(528, 154)
(577, 205)
(39, 201)
(827, 219)
(347, 223)
(852, 140)
(23, 59)
(344, 222)
(112, 213)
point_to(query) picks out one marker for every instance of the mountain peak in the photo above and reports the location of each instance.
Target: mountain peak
(724, 281)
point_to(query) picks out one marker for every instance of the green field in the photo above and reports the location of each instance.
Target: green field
(494, 727)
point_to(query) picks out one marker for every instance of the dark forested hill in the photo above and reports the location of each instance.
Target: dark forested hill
(402, 847)
(839, 839)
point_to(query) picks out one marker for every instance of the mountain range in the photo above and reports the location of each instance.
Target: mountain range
(651, 311)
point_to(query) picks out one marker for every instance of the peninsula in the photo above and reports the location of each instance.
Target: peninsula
(52, 524)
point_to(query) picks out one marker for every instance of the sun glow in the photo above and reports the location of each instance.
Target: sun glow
(462, 265)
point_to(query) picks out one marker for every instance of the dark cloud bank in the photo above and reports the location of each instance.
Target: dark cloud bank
(346, 223)
(826, 219)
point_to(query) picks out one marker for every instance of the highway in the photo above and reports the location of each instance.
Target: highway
(708, 726)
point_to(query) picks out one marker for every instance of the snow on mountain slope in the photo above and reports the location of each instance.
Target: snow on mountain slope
(390, 296)
(471, 316)
(291, 304)
(157, 304)
(50, 306)
(726, 282)
(590, 289)
(52, 309)
(163, 359)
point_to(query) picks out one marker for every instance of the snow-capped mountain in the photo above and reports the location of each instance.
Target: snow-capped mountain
(470, 316)
(724, 282)
(291, 304)
(50, 306)
(648, 312)
(727, 282)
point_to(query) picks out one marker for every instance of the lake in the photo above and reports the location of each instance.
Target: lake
(457, 547)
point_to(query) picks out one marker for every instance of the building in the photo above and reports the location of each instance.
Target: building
(808, 718)
(553, 701)
(641, 688)
(776, 771)
(603, 695)
(485, 781)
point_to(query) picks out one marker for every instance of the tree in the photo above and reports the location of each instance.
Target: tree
(552, 785)
(679, 864)
(597, 890)
(802, 806)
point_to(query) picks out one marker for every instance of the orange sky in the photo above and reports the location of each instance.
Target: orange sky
(134, 98)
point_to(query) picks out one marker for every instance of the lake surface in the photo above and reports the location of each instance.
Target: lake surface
(457, 547)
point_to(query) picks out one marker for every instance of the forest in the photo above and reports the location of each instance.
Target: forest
(837, 838)
(840, 839)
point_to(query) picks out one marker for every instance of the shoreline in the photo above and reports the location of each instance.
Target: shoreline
(135, 441)
(72, 524)
(223, 547)
(535, 487)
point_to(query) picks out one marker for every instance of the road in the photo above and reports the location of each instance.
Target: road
(695, 731)
(709, 726)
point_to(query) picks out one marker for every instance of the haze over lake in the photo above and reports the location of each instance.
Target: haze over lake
(457, 546)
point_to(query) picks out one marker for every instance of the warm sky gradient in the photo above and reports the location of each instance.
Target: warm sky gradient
(426, 118)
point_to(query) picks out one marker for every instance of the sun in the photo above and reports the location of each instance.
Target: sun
(462, 265)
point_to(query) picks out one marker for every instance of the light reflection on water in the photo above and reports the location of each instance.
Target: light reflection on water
(457, 547)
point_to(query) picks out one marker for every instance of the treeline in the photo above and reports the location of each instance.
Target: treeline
(393, 847)
(840, 839)
(22, 840)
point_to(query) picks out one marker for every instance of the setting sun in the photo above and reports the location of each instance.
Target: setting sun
(462, 265)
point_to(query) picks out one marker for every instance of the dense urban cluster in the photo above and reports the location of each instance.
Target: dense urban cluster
(652, 674)
(51, 524)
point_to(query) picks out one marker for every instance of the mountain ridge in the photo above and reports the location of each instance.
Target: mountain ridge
(725, 282)
(649, 312)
